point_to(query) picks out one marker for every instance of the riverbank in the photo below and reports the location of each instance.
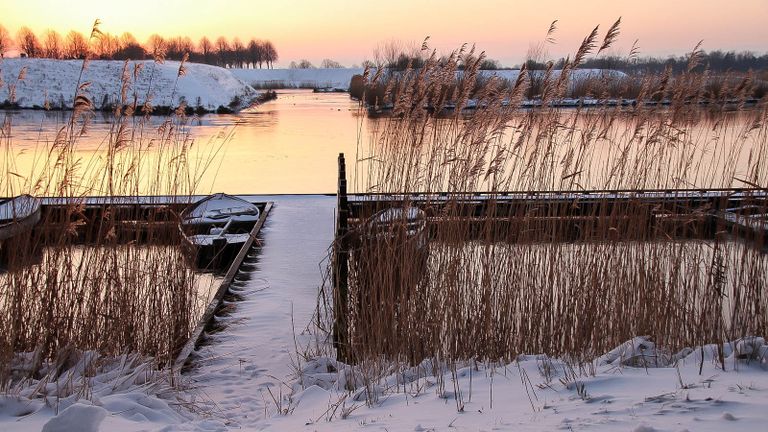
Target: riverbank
(298, 78)
(51, 84)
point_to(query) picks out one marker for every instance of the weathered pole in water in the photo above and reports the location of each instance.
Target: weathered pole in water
(341, 266)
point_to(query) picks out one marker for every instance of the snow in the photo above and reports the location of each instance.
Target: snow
(81, 417)
(298, 78)
(577, 74)
(54, 82)
(340, 78)
(254, 355)
(538, 394)
(248, 376)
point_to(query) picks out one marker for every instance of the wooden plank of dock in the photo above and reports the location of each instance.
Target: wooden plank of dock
(561, 203)
(218, 298)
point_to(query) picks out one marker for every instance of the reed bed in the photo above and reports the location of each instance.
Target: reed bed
(566, 280)
(83, 280)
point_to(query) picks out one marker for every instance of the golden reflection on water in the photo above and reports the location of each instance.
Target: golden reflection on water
(291, 145)
(288, 146)
(285, 146)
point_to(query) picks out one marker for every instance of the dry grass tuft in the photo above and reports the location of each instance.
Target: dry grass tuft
(574, 279)
(85, 279)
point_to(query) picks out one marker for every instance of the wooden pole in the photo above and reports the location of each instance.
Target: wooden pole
(341, 266)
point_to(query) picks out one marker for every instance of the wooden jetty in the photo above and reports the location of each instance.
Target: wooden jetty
(135, 218)
(547, 216)
(230, 278)
(139, 217)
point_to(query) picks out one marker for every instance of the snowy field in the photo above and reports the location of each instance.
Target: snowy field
(54, 82)
(298, 78)
(340, 78)
(249, 377)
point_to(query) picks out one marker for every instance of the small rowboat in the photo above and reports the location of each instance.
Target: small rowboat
(389, 223)
(215, 228)
(18, 215)
(749, 220)
(17, 218)
(401, 229)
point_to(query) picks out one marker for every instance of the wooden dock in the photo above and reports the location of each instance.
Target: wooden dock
(546, 216)
(135, 218)
(218, 298)
(150, 219)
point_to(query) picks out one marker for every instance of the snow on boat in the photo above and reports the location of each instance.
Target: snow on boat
(748, 218)
(18, 215)
(412, 221)
(216, 227)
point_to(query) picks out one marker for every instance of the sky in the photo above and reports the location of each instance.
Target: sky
(348, 31)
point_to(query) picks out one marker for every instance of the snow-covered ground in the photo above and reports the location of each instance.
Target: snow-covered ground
(298, 78)
(54, 82)
(537, 394)
(578, 74)
(246, 377)
(340, 78)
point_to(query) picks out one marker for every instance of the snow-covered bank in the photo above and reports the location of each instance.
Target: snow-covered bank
(578, 74)
(298, 78)
(53, 83)
(340, 78)
(536, 393)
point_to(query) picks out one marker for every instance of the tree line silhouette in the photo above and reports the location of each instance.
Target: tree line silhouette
(716, 61)
(222, 52)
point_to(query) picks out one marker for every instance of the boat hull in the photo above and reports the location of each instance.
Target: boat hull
(214, 230)
(17, 246)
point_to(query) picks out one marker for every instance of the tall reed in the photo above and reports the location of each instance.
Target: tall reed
(98, 282)
(569, 279)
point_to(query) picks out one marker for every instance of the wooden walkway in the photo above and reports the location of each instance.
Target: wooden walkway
(223, 289)
(549, 216)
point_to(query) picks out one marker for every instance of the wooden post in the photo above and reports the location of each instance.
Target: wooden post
(341, 266)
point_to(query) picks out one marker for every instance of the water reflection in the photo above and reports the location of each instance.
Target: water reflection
(290, 146)
(285, 146)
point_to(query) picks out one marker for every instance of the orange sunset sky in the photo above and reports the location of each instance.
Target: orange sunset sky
(347, 31)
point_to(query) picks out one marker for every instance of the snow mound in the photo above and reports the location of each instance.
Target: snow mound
(79, 417)
(53, 82)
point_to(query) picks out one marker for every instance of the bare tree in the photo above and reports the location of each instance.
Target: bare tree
(222, 51)
(28, 42)
(330, 64)
(156, 46)
(206, 48)
(386, 53)
(106, 46)
(5, 41)
(255, 53)
(53, 45)
(173, 48)
(270, 54)
(76, 45)
(186, 46)
(302, 64)
(238, 53)
(126, 39)
(129, 48)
